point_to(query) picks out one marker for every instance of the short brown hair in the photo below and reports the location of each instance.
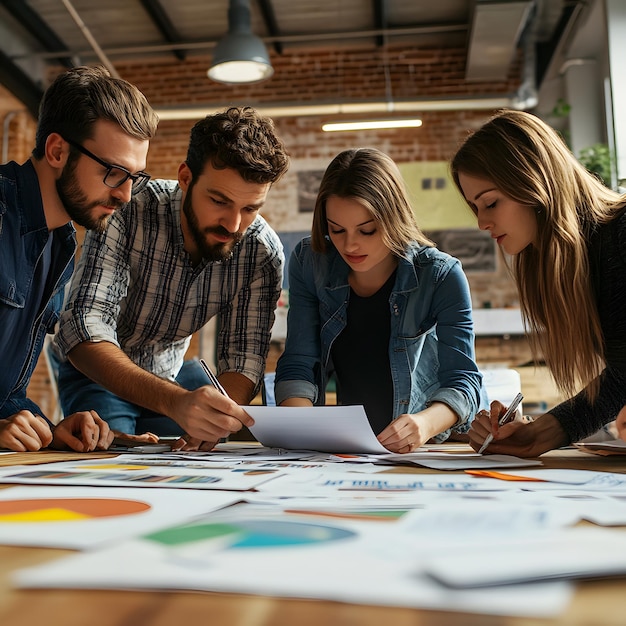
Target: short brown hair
(80, 97)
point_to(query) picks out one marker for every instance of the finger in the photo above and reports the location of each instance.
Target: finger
(207, 446)
(497, 409)
(395, 433)
(16, 439)
(106, 441)
(42, 430)
(216, 401)
(68, 433)
(29, 439)
(89, 431)
(507, 430)
(178, 444)
(247, 421)
(481, 427)
(104, 436)
(210, 431)
(65, 438)
(191, 443)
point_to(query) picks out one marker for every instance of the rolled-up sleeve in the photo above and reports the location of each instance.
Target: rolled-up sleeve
(459, 378)
(99, 284)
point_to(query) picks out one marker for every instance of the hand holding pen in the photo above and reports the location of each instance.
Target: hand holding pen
(508, 416)
(206, 417)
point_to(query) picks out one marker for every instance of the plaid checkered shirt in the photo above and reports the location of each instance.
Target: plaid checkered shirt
(135, 286)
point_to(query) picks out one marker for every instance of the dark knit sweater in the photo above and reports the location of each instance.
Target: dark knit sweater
(607, 258)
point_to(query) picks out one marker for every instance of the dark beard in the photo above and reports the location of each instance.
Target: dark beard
(209, 252)
(76, 204)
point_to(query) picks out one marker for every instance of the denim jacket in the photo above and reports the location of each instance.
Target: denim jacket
(23, 236)
(431, 348)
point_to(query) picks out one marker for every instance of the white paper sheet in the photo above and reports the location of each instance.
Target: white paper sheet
(566, 554)
(338, 560)
(327, 483)
(456, 462)
(614, 447)
(323, 428)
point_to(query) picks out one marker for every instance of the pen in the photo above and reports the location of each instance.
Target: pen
(213, 378)
(507, 417)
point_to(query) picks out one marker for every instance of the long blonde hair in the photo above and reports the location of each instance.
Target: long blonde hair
(529, 162)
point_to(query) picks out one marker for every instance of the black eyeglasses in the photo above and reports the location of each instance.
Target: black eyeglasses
(116, 175)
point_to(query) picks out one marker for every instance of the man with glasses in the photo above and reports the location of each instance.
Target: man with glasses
(115, 175)
(182, 252)
(84, 113)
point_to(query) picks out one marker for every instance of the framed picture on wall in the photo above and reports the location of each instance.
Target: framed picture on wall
(476, 249)
(308, 185)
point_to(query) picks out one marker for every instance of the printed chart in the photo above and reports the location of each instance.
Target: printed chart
(67, 509)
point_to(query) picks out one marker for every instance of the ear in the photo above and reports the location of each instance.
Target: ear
(184, 176)
(56, 151)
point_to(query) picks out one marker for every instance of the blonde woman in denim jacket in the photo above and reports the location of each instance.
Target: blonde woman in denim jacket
(374, 302)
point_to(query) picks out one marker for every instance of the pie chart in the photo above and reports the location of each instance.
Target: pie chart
(67, 509)
(254, 533)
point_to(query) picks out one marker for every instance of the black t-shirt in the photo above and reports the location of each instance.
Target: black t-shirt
(360, 356)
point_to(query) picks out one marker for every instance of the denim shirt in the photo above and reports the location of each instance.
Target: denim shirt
(23, 236)
(431, 348)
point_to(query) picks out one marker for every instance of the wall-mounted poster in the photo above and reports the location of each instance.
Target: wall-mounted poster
(308, 185)
(435, 199)
(476, 249)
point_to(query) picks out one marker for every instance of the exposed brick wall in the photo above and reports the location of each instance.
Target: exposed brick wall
(319, 75)
(324, 76)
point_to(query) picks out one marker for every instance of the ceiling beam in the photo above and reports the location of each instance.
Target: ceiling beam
(33, 24)
(269, 18)
(162, 21)
(20, 85)
(433, 29)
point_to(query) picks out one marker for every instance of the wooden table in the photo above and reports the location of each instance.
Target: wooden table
(597, 603)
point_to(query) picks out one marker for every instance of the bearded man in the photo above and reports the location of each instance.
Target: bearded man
(181, 253)
(90, 151)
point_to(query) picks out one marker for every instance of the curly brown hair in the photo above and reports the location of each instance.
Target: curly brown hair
(238, 138)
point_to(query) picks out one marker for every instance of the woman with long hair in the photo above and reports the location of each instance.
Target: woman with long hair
(374, 302)
(566, 235)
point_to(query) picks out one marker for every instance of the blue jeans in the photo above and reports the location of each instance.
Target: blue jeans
(79, 393)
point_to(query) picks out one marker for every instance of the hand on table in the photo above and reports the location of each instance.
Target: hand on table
(121, 439)
(405, 434)
(24, 432)
(85, 431)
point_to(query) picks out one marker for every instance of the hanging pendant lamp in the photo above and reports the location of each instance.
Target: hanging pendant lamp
(240, 57)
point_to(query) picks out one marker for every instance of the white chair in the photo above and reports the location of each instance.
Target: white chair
(503, 384)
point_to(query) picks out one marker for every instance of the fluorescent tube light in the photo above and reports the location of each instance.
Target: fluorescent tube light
(372, 125)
